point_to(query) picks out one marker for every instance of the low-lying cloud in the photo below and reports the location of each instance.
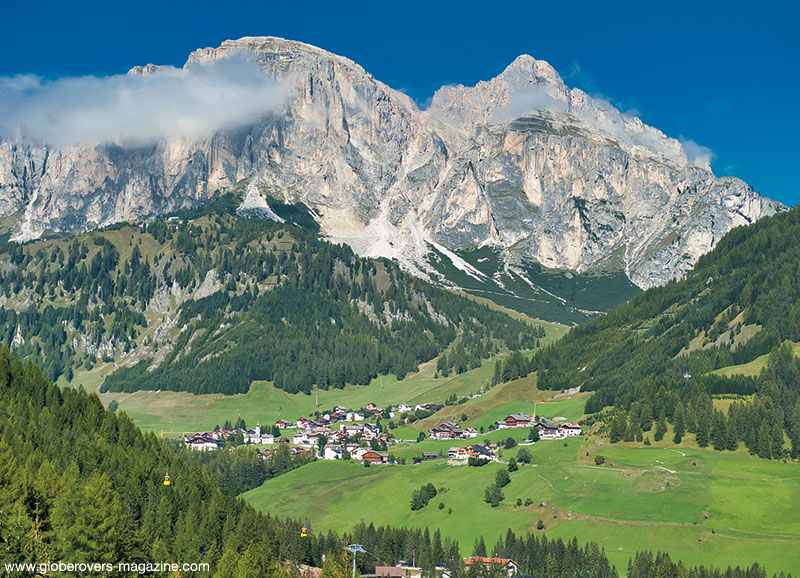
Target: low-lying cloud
(697, 154)
(136, 109)
(525, 101)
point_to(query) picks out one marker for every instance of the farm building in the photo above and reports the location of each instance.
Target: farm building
(516, 420)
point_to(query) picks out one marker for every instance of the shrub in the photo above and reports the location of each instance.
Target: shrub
(493, 496)
(502, 479)
(421, 497)
(477, 462)
(599, 460)
(509, 443)
(540, 525)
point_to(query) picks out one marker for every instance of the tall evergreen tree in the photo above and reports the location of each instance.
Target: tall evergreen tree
(764, 441)
(703, 429)
(618, 427)
(661, 426)
(679, 426)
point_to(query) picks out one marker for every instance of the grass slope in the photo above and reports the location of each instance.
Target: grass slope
(518, 396)
(702, 506)
(178, 411)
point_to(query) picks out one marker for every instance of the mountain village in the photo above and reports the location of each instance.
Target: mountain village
(368, 442)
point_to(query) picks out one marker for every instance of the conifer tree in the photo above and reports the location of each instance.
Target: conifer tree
(618, 427)
(661, 426)
(719, 431)
(764, 441)
(703, 429)
(678, 424)
(479, 548)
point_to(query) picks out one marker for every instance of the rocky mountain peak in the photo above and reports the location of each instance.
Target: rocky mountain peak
(521, 162)
(144, 70)
(525, 83)
(525, 71)
(275, 49)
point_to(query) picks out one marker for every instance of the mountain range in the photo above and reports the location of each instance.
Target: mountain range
(520, 167)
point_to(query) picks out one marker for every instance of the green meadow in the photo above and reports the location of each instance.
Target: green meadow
(167, 411)
(518, 396)
(702, 506)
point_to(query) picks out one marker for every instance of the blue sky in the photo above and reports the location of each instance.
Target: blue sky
(724, 74)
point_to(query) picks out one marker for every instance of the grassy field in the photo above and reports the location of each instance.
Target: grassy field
(178, 412)
(702, 506)
(517, 396)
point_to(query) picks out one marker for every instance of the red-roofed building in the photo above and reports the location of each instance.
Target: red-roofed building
(375, 457)
(506, 563)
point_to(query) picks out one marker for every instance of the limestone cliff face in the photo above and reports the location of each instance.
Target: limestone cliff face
(521, 162)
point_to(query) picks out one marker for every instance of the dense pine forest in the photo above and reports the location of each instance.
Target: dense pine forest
(209, 300)
(654, 358)
(83, 484)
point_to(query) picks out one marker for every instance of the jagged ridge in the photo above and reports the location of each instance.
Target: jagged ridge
(522, 163)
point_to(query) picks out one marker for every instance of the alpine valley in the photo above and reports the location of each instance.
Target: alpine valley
(517, 323)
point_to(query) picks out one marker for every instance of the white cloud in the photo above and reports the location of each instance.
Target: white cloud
(697, 154)
(526, 101)
(138, 109)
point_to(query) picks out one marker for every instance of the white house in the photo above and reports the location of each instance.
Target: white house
(332, 452)
(549, 431)
(358, 453)
(302, 438)
(201, 443)
(256, 437)
(506, 564)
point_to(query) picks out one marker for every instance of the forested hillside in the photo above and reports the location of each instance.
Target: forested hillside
(207, 301)
(81, 484)
(655, 357)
